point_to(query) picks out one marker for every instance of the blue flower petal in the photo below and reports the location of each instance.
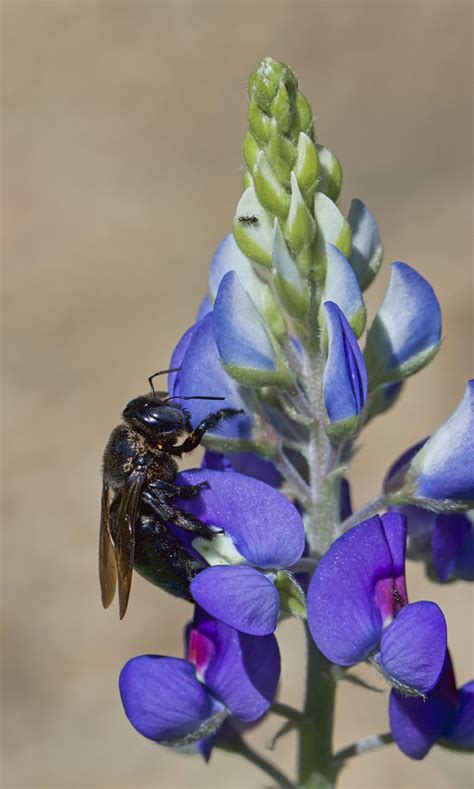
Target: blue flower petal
(398, 470)
(239, 596)
(265, 526)
(345, 377)
(406, 331)
(247, 463)
(450, 533)
(205, 747)
(367, 251)
(283, 263)
(416, 723)
(244, 342)
(420, 529)
(202, 374)
(445, 465)
(342, 288)
(465, 559)
(244, 670)
(413, 646)
(162, 698)
(344, 614)
(241, 337)
(204, 308)
(177, 358)
(461, 731)
(228, 257)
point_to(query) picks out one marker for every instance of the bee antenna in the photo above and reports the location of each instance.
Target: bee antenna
(194, 397)
(161, 372)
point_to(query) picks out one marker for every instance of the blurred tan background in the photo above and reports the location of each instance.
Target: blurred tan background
(121, 128)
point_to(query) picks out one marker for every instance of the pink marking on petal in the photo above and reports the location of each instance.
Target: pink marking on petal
(390, 595)
(200, 652)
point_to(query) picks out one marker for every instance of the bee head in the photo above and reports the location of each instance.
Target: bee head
(152, 416)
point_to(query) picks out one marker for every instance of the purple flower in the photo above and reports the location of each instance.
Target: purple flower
(201, 373)
(262, 534)
(406, 332)
(358, 608)
(445, 542)
(439, 472)
(367, 251)
(185, 702)
(204, 308)
(345, 377)
(446, 716)
(244, 463)
(246, 344)
(342, 288)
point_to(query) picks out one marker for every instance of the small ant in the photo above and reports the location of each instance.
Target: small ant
(248, 220)
(397, 598)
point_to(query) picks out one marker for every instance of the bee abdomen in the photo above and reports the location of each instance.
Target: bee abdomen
(161, 559)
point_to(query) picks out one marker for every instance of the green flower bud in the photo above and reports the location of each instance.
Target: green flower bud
(270, 192)
(300, 229)
(292, 599)
(332, 229)
(259, 123)
(280, 154)
(330, 177)
(264, 83)
(283, 109)
(307, 167)
(272, 314)
(305, 115)
(250, 150)
(253, 229)
(292, 291)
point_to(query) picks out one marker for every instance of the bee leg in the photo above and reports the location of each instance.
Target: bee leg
(168, 513)
(171, 491)
(209, 423)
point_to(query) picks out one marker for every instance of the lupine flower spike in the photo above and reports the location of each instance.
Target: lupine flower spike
(263, 529)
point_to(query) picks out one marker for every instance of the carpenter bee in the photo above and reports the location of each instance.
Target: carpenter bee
(140, 469)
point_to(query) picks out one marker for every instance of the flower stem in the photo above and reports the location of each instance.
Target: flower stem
(240, 747)
(372, 508)
(362, 746)
(317, 768)
(286, 711)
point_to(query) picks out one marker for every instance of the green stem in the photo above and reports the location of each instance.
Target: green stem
(317, 769)
(240, 747)
(286, 711)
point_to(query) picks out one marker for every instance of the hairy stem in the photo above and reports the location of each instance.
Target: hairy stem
(316, 767)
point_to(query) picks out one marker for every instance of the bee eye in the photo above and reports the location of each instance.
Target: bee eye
(165, 416)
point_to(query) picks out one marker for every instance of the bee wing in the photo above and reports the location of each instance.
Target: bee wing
(125, 542)
(107, 566)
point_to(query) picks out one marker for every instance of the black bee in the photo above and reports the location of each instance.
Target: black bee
(140, 469)
(248, 220)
